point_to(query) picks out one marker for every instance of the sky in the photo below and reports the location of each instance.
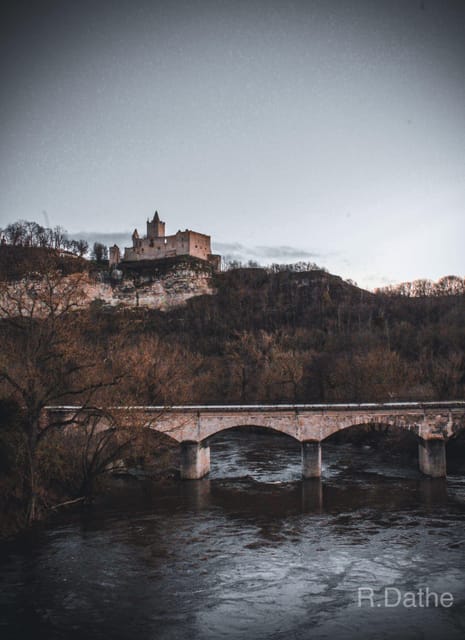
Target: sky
(330, 131)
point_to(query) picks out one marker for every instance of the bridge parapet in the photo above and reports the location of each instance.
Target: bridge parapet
(305, 422)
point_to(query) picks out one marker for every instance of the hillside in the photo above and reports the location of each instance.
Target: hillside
(303, 337)
(255, 335)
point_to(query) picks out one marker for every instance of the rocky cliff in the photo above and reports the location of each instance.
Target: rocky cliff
(152, 289)
(44, 286)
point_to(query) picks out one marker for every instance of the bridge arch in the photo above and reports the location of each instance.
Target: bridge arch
(259, 452)
(378, 424)
(195, 456)
(252, 427)
(365, 431)
(363, 445)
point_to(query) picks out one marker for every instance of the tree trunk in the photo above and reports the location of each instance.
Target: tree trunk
(32, 501)
(32, 451)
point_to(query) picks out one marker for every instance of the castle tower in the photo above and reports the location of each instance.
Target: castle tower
(135, 239)
(115, 256)
(155, 228)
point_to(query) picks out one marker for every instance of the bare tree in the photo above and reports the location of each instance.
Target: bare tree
(59, 238)
(99, 252)
(80, 247)
(43, 359)
(25, 233)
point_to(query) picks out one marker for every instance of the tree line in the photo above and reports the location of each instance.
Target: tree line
(421, 288)
(29, 234)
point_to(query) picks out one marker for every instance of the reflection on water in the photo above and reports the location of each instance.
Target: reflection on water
(250, 552)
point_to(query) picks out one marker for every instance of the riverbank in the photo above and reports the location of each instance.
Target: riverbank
(62, 485)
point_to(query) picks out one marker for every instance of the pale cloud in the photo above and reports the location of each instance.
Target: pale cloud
(121, 239)
(278, 253)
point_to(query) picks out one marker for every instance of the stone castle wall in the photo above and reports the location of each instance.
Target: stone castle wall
(180, 244)
(158, 246)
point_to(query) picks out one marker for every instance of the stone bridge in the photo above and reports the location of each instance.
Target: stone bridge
(433, 424)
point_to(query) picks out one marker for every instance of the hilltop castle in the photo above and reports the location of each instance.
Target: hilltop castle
(156, 246)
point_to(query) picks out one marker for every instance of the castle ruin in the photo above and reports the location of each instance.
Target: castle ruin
(157, 246)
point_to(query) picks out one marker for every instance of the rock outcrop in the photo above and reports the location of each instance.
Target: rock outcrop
(163, 286)
(152, 290)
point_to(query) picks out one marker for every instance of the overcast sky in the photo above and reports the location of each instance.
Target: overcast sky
(323, 130)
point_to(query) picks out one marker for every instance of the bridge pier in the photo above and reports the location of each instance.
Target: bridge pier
(311, 459)
(195, 460)
(432, 457)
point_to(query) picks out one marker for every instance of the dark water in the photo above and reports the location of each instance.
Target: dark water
(250, 553)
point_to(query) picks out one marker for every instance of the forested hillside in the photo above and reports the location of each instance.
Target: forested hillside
(304, 337)
(265, 336)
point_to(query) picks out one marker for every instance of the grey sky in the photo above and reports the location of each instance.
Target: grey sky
(332, 131)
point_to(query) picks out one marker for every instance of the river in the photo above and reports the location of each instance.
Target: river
(251, 552)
